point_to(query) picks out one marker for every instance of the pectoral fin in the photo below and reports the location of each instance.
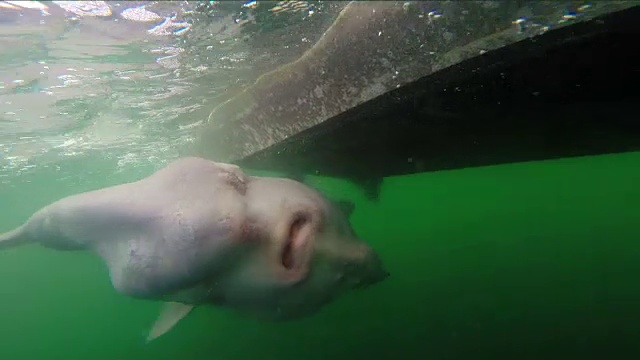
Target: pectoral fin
(170, 315)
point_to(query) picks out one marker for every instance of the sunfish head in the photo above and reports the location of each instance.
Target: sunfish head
(304, 253)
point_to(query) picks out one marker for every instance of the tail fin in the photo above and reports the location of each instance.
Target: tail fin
(12, 238)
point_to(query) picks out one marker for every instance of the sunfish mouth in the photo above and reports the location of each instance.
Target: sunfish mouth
(295, 251)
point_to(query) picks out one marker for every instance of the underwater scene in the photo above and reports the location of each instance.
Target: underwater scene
(126, 232)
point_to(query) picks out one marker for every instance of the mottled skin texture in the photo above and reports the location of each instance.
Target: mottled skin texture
(200, 232)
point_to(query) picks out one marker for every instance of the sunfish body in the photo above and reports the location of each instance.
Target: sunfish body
(198, 232)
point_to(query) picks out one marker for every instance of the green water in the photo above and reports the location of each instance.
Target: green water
(516, 261)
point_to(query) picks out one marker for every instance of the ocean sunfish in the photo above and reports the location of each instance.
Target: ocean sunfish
(199, 232)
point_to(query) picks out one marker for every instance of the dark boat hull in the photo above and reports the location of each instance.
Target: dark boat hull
(569, 92)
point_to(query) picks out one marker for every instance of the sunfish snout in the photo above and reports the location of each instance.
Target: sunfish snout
(358, 263)
(380, 272)
(374, 270)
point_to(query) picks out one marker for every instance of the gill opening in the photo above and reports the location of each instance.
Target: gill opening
(288, 256)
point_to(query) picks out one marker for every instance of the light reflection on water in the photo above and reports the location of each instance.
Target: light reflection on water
(76, 80)
(132, 81)
(117, 80)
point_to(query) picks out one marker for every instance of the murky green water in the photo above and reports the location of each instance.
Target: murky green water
(512, 262)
